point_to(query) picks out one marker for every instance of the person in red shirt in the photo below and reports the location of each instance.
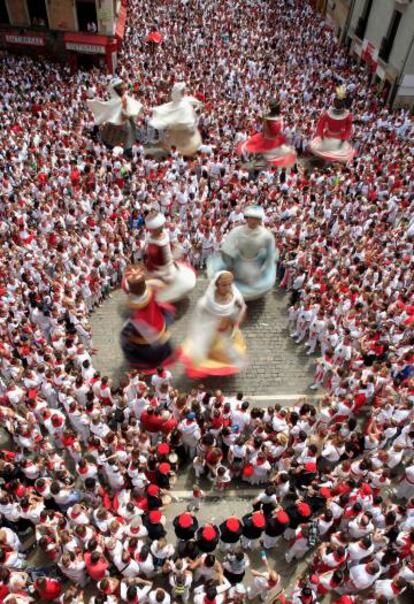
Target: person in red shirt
(151, 420)
(96, 565)
(48, 589)
(169, 422)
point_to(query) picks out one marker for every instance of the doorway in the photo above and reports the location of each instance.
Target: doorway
(38, 13)
(86, 62)
(4, 15)
(87, 15)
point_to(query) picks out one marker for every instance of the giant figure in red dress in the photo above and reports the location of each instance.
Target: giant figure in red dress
(173, 279)
(334, 130)
(145, 339)
(270, 144)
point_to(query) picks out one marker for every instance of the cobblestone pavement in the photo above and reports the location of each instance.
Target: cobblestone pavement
(213, 510)
(276, 365)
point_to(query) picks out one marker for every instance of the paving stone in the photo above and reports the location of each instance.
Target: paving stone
(277, 366)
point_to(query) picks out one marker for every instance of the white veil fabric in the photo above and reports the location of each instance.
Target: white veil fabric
(178, 114)
(207, 317)
(111, 111)
(229, 310)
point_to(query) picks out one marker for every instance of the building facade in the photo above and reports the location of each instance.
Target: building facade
(80, 32)
(379, 33)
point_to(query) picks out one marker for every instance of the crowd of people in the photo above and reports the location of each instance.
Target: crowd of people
(89, 464)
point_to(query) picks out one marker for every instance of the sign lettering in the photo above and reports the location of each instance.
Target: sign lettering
(30, 40)
(87, 48)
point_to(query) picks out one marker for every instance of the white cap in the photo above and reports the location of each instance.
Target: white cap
(116, 82)
(239, 588)
(254, 212)
(117, 151)
(155, 221)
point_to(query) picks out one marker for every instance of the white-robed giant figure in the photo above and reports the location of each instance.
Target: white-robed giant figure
(173, 280)
(177, 120)
(249, 252)
(120, 111)
(214, 344)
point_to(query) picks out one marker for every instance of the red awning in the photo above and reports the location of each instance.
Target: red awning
(85, 38)
(120, 26)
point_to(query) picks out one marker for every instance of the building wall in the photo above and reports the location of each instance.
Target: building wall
(378, 23)
(403, 39)
(18, 13)
(379, 20)
(377, 28)
(106, 17)
(62, 15)
(357, 12)
(409, 68)
(337, 12)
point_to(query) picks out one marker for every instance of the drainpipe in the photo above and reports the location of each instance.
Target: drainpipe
(401, 76)
(348, 22)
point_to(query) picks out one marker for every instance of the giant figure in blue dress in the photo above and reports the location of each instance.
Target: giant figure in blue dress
(249, 252)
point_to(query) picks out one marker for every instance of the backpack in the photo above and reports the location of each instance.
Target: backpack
(179, 589)
(313, 534)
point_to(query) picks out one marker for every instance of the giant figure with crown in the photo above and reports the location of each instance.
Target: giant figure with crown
(334, 130)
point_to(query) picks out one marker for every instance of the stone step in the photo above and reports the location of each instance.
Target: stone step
(242, 493)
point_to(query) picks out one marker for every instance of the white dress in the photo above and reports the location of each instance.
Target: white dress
(178, 114)
(173, 280)
(209, 349)
(250, 254)
(178, 121)
(112, 111)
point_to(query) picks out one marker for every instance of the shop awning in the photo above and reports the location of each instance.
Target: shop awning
(86, 43)
(25, 39)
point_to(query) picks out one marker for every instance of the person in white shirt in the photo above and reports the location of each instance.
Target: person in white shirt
(73, 567)
(191, 433)
(359, 550)
(390, 589)
(159, 596)
(363, 576)
(135, 589)
(406, 486)
(162, 376)
(214, 594)
(241, 416)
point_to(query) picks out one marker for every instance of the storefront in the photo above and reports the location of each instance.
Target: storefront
(91, 49)
(27, 41)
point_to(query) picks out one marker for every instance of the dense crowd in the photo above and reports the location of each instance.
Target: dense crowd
(89, 464)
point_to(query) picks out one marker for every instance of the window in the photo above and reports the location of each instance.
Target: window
(367, 10)
(388, 41)
(87, 16)
(363, 20)
(38, 12)
(4, 15)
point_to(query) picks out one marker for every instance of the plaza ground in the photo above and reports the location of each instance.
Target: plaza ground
(278, 371)
(277, 366)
